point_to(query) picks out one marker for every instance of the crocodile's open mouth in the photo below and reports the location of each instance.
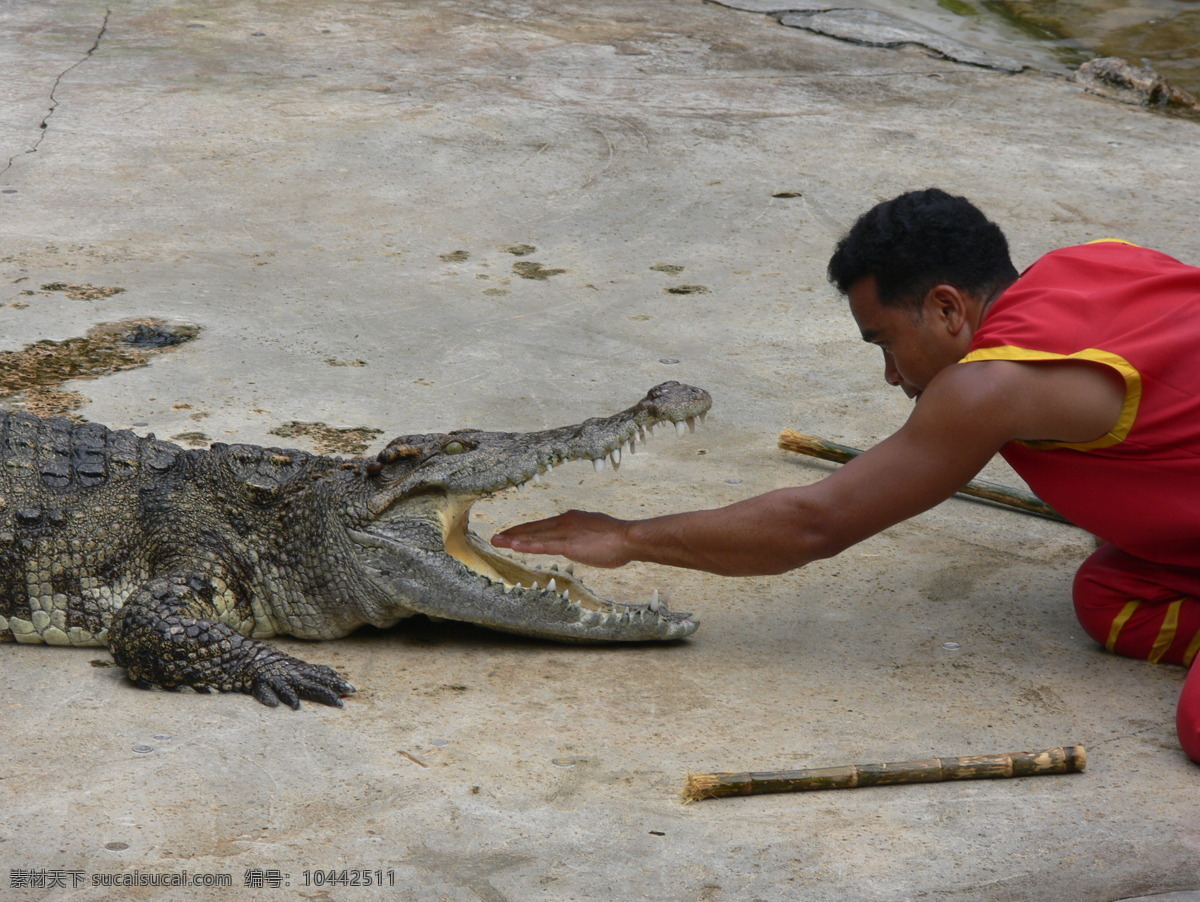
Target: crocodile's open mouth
(483, 559)
(499, 591)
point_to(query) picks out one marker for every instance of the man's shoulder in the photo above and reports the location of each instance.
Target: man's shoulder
(1099, 257)
(1070, 400)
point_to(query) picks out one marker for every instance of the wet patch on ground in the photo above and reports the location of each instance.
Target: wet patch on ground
(31, 378)
(1160, 34)
(327, 439)
(192, 439)
(527, 269)
(688, 289)
(82, 291)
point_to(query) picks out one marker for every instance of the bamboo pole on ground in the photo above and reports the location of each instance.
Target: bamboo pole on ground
(1064, 760)
(976, 488)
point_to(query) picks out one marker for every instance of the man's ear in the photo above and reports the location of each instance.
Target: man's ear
(950, 306)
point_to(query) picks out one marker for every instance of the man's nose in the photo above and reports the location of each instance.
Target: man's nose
(890, 374)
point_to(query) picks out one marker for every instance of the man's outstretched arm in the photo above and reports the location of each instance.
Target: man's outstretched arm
(962, 419)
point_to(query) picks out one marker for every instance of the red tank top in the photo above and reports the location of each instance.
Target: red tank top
(1137, 311)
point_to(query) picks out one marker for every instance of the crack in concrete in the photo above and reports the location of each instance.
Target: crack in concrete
(44, 125)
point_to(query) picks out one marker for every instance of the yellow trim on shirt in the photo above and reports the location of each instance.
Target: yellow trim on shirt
(1112, 241)
(1119, 622)
(1166, 634)
(1133, 388)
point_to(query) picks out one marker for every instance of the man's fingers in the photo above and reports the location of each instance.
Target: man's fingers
(552, 529)
(521, 533)
(530, 545)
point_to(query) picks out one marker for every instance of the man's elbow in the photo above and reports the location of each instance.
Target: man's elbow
(787, 556)
(815, 535)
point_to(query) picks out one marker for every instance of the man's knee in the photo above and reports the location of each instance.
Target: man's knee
(1097, 596)
(1187, 716)
(1139, 608)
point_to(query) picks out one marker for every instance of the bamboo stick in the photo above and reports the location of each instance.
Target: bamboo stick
(1066, 760)
(976, 488)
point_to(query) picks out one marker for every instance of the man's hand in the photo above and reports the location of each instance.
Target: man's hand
(589, 538)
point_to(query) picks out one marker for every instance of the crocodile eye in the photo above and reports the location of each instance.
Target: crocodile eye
(454, 448)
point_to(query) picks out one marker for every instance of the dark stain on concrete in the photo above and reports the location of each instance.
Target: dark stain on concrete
(82, 291)
(31, 378)
(330, 439)
(195, 439)
(527, 269)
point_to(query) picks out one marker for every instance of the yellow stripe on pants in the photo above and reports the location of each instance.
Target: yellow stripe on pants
(1119, 623)
(1192, 649)
(1166, 635)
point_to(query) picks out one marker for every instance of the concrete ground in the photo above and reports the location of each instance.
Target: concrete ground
(338, 194)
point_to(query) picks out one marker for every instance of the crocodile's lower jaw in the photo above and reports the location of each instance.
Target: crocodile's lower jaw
(481, 558)
(472, 582)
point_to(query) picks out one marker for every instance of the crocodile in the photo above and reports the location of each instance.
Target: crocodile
(182, 561)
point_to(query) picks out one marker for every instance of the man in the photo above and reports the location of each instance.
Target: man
(1084, 372)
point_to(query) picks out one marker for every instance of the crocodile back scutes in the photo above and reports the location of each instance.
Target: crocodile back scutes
(60, 453)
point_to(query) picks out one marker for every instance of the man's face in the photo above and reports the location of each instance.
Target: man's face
(916, 345)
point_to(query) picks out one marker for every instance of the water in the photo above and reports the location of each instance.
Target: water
(1163, 34)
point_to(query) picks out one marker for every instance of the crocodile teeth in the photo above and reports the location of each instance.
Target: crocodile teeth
(681, 428)
(598, 463)
(569, 567)
(616, 458)
(654, 602)
(691, 424)
(552, 586)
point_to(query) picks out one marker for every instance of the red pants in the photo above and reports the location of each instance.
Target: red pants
(1144, 610)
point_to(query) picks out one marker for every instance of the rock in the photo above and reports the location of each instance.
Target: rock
(879, 29)
(1118, 79)
(775, 6)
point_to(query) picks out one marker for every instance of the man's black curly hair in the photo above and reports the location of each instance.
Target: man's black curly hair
(921, 239)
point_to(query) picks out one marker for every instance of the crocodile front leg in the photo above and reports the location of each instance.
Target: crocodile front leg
(167, 636)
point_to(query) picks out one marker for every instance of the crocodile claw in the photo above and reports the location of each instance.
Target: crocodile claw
(288, 680)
